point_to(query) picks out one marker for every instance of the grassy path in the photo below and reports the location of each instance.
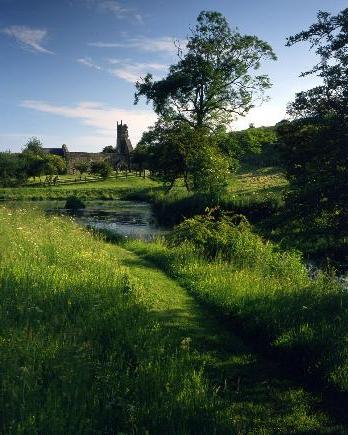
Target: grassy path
(253, 396)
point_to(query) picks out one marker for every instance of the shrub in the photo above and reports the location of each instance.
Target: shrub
(74, 203)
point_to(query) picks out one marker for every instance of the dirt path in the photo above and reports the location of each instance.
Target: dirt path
(255, 397)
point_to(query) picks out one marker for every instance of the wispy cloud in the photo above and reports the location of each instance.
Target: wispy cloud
(125, 69)
(28, 37)
(87, 61)
(99, 116)
(117, 9)
(133, 71)
(160, 44)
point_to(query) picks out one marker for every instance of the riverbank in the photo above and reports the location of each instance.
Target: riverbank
(94, 338)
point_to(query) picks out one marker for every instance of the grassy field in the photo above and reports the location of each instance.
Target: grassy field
(266, 293)
(95, 339)
(111, 188)
(80, 352)
(255, 193)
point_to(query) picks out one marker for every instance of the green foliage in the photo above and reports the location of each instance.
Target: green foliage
(12, 170)
(253, 145)
(82, 166)
(109, 149)
(54, 165)
(207, 168)
(214, 80)
(163, 149)
(179, 151)
(215, 77)
(267, 294)
(79, 350)
(74, 203)
(101, 168)
(38, 162)
(315, 143)
(34, 145)
(219, 235)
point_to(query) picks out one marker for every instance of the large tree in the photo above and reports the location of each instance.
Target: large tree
(315, 142)
(216, 76)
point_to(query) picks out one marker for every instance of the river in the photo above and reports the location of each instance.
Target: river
(131, 219)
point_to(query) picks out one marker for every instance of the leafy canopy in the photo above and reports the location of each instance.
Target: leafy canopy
(215, 78)
(315, 143)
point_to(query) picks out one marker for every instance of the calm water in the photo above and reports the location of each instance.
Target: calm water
(128, 218)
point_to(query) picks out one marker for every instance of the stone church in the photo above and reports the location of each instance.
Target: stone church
(119, 159)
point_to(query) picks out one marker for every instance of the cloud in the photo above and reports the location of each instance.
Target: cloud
(117, 9)
(125, 69)
(101, 117)
(132, 72)
(87, 61)
(28, 37)
(160, 44)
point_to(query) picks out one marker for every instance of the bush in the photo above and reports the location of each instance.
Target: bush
(102, 168)
(74, 203)
(12, 170)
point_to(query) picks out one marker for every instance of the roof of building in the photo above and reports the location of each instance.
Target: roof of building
(56, 151)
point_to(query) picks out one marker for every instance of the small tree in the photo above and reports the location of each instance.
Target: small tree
(102, 168)
(207, 168)
(82, 167)
(108, 149)
(35, 165)
(54, 165)
(34, 145)
(12, 170)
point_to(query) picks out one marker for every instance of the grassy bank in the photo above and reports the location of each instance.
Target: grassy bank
(256, 193)
(96, 340)
(79, 350)
(265, 292)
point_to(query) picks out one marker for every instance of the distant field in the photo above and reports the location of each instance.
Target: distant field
(265, 182)
(111, 188)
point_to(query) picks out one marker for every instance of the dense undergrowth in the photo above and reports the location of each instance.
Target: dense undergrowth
(265, 291)
(79, 351)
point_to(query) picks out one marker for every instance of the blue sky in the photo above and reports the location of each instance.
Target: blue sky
(68, 67)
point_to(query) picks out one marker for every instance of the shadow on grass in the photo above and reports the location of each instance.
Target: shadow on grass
(253, 391)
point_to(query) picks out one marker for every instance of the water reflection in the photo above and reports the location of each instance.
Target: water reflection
(128, 218)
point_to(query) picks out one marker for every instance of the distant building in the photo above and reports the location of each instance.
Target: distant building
(120, 158)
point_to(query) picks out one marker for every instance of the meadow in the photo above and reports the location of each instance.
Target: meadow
(96, 340)
(265, 292)
(80, 352)
(192, 334)
(94, 189)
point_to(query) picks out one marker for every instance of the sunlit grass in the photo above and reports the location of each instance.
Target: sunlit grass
(95, 340)
(269, 295)
(79, 350)
(112, 188)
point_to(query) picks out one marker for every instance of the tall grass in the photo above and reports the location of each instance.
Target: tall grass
(264, 291)
(79, 351)
(172, 208)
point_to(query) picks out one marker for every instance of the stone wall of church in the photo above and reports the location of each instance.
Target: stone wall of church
(73, 157)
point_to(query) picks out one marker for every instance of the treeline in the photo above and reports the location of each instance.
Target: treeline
(15, 169)
(34, 161)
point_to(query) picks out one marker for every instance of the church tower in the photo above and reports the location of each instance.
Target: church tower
(123, 145)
